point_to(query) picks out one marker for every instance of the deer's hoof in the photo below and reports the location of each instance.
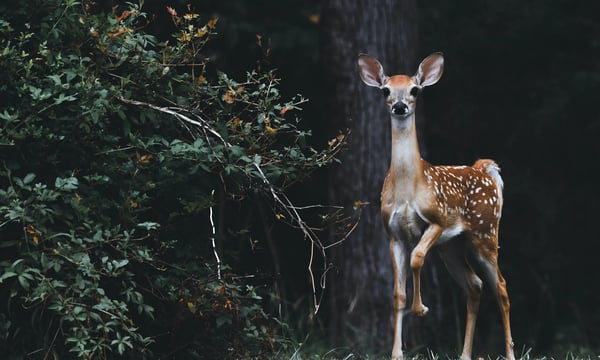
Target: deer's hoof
(420, 310)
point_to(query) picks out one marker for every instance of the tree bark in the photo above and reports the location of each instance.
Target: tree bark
(360, 290)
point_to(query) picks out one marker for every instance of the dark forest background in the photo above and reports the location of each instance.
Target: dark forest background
(521, 85)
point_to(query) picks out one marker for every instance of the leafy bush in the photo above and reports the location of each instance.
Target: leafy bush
(127, 165)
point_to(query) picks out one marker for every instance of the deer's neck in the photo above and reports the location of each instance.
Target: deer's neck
(406, 167)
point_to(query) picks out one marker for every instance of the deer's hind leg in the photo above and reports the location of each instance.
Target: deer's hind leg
(454, 256)
(487, 255)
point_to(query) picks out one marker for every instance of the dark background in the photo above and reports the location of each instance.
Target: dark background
(521, 85)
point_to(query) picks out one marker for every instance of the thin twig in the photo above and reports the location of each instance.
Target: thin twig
(213, 235)
(308, 233)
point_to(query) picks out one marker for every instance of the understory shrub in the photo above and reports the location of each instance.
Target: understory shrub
(128, 168)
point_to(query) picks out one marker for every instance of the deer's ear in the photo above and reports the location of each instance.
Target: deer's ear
(430, 69)
(371, 71)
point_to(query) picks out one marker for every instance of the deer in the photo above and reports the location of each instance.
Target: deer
(455, 208)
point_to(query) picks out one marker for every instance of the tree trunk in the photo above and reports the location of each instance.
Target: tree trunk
(360, 290)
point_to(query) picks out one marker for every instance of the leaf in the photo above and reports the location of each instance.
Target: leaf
(149, 225)
(62, 98)
(66, 184)
(212, 23)
(23, 281)
(143, 159)
(201, 32)
(285, 109)
(30, 229)
(28, 178)
(120, 264)
(190, 16)
(7, 275)
(16, 262)
(171, 11)
(191, 307)
(55, 78)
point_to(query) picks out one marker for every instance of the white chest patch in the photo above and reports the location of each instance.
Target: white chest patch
(405, 222)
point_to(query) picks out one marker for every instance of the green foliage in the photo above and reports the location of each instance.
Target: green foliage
(114, 151)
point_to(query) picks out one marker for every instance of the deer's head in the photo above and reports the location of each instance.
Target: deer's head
(401, 91)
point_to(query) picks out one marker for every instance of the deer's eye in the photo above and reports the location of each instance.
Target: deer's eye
(386, 91)
(414, 91)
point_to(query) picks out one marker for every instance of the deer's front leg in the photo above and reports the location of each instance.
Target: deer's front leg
(417, 259)
(399, 264)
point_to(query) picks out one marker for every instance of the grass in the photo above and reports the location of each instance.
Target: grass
(299, 353)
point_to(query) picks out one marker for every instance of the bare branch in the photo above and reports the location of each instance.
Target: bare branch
(213, 235)
(316, 246)
(174, 111)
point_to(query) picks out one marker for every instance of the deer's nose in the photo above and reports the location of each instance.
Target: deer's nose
(399, 108)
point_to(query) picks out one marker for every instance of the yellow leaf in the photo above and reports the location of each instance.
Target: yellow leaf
(235, 123)
(36, 240)
(143, 159)
(313, 18)
(201, 32)
(191, 307)
(30, 229)
(212, 22)
(279, 216)
(201, 79)
(134, 204)
(185, 37)
(358, 204)
(190, 16)
(270, 130)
